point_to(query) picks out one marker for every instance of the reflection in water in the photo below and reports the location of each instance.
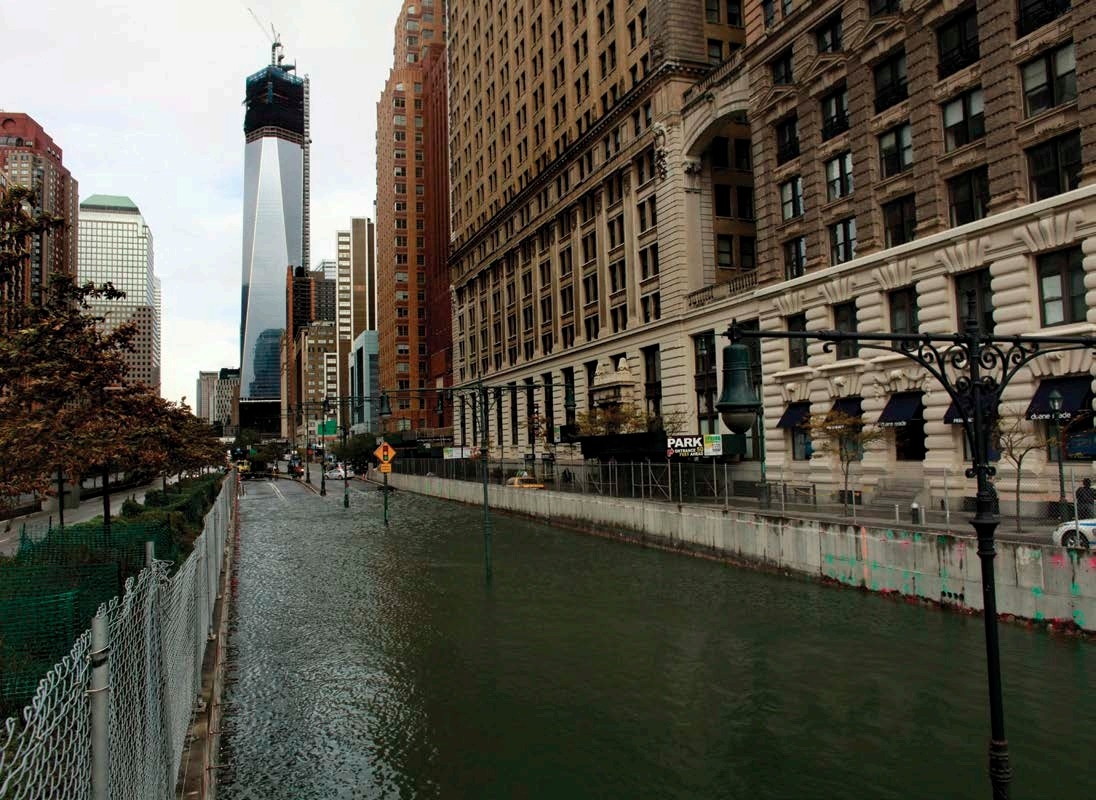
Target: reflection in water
(374, 662)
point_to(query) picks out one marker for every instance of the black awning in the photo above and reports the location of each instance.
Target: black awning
(954, 415)
(849, 406)
(1076, 391)
(795, 415)
(900, 409)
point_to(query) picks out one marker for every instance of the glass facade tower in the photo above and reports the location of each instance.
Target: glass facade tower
(275, 218)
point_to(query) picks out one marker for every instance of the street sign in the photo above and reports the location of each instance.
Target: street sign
(386, 467)
(385, 453)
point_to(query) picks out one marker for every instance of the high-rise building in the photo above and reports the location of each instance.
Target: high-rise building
(582, 211)
(355, 292)
(407, 181)
(115, 245)
(29, 157)
(204, 399)
(363, 271)
(276, 215)
(226, 398)
(365, 384)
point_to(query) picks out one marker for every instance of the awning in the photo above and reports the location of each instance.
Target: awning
(900, 409)
(795, 415)
(1076, 392)
(849, 406)
(954, 416)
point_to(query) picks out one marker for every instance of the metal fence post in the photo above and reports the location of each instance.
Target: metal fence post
(150, 553)
(100, 707)
(680, 486)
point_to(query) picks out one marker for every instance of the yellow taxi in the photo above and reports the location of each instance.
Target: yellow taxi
(524, 482)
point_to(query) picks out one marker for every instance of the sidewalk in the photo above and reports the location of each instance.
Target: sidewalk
(87, 510)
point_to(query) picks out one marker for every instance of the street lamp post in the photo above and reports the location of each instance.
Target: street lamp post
(1055, 401)
(346, 474)
(973, 368)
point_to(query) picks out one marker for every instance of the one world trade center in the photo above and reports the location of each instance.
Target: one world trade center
(275, 228)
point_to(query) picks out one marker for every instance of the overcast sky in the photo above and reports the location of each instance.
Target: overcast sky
(144, 100)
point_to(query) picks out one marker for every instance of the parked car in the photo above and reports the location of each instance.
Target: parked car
(524, 482)
(337, 473)
(1077, 533)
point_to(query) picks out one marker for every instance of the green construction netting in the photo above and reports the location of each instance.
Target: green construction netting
(35, 633)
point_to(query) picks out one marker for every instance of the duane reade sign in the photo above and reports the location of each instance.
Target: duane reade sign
(706, 445)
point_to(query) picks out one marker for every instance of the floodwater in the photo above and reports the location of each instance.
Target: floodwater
(374, 662)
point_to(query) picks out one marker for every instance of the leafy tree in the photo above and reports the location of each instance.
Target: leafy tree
(627, 418)
(20, 221)
(55, 364)
(845, 438)
(357, 452)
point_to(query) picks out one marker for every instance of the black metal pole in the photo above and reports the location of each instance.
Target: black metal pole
(486, 507)
(1061, 470)
(346, 474)
(985, 525)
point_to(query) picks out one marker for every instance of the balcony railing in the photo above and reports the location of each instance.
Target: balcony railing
(743, 282)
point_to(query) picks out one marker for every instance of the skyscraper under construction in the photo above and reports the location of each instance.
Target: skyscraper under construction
(276, 223)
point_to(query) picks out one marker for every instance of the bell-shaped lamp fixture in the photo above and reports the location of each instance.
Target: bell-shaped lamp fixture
(386, 407)
(738, 405)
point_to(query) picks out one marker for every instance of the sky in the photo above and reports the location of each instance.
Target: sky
(145, 100)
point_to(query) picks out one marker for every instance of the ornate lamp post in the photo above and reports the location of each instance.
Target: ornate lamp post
(739, 406)
(1055, 401)
(973, 368)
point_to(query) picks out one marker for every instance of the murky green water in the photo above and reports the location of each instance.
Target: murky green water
(375, 663)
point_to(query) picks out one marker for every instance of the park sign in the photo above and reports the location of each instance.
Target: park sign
(709, 444)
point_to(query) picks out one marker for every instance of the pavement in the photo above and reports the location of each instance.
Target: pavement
(87, 510)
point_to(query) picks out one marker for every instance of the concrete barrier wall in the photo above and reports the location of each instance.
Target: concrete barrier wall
(1040, 583)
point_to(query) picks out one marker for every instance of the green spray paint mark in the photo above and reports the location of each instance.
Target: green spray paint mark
(890, 534)
(1037, 591)
(875, 565)
(875, 586)
(1039, 617)
(916, 537)
(1079, 618)
(1075, 589)
(944, 572)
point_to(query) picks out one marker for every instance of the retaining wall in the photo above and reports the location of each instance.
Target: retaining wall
(1042, 583)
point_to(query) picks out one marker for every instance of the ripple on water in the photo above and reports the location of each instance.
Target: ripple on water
(373, 662)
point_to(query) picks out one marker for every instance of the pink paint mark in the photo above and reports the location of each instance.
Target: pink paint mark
(961, 548)
(1092, 563)
(906, 543)
(1058, 560)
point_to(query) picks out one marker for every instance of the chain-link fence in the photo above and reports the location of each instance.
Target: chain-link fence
(110, 718)
(1037, 506)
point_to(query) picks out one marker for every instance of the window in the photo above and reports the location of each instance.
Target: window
(1062, 287)
(715, 51)
(782, 69)
(747, 252)
(957, 40)
(704, 379)
(652, 307)
(652, 380)
(827, 36)
(844, 320)
(791, 198)
(903, 310)
(1055, 166)
(1035, 14)
(787, 139)
(722, 196)
(890, 82)
(801, 441)
(835, 113)
(734, 13)
(896, 151)
(797, 348)
(839, 176)
(795, 258)
(723, 247)
(964, 119)
(744, 196)
(711, 11)
(879, 7)
(899, 220)
(843, 241)
(1050, 80)
(974, 285)
(742, 154)
(968, 196)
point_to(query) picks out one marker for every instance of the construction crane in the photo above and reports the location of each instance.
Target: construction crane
(276, 55)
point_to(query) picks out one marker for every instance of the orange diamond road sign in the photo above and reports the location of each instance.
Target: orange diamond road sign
(386, 467)
(385, 453)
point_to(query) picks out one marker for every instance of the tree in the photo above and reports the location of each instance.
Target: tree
(627, 418)
(844, 437)
(1015, 438)
(358, 451)
(55, 364)
(20, 222)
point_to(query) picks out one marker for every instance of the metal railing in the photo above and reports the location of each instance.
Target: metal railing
(947, 507)
(111, 718)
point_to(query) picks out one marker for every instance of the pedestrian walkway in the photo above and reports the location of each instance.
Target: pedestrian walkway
(88, 509)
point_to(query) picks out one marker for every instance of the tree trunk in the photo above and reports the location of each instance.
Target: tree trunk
(1018, 495)
(106, 501)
